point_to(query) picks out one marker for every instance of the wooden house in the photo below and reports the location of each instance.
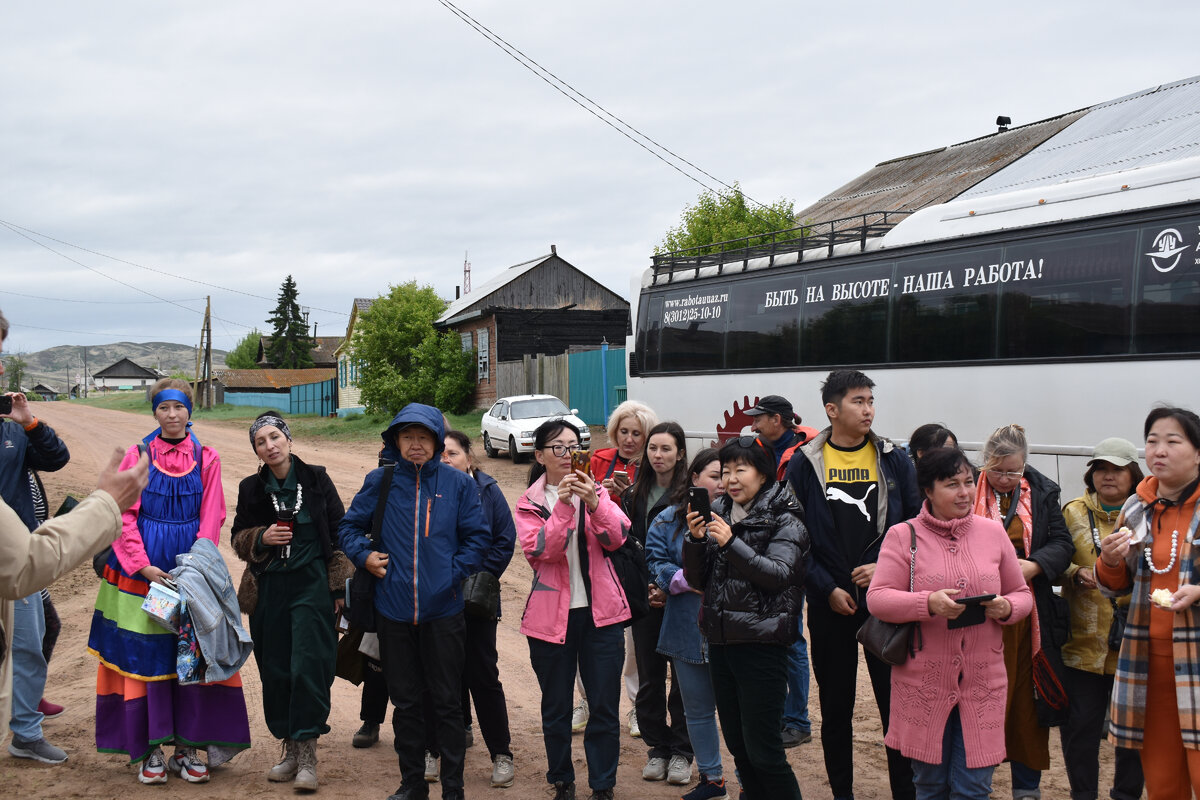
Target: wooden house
(545, 305)
(124, 375)
(323, 355)
(349, 397)
(291, 391)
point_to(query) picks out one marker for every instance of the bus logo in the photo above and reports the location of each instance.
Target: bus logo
(1167, 245)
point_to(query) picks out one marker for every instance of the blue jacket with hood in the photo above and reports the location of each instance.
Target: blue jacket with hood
(433, 527)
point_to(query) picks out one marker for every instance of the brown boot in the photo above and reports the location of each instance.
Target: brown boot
(306, 775)
(285, 770)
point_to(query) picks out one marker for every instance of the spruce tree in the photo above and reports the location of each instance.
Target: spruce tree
(291, 346)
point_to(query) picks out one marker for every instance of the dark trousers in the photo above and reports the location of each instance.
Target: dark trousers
(598, 654)
(374, 693)
(834, 654)
(750, 686)
(481, 681)
(295, 647)
(653, 701)
(426, 658)
(1081, 733)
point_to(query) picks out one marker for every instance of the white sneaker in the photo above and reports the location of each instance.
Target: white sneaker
(656, 769)
(185, 764)
(503, 771)
(634, 730)
(579, 716)
(679, 771)
(433, 770)
(154, 768)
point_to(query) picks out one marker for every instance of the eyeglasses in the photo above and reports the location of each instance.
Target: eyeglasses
(1010, 475)
(560, 450)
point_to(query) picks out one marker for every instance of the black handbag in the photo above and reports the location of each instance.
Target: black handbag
(360, 594)
(481, 596)
(894, 642)
(629, 563)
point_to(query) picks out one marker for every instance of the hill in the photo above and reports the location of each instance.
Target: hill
(53, 365)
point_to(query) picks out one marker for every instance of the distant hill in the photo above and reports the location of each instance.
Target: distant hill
(52, 365)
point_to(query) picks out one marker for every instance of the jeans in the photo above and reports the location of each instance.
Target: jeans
(1081, 733)
(28, 667)
(835, 666)
(700, 708)
(749, 683)
(654, 702)
(425, 658)
(795, 708)
(952, 779)
(1026, 781)
(598, 654)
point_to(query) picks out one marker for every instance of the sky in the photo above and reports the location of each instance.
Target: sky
(153, 154)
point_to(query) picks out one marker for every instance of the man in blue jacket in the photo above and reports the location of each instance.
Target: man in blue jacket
(26, 443)
(433, 524)
(854, 485)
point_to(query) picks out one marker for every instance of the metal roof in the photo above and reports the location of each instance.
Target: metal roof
(1153, 126)
(272, 378)
(478, 295)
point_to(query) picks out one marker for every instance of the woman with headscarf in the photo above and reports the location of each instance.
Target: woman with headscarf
(285, 530)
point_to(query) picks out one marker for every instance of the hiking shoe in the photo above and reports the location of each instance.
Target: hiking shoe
(50, 710)
(154, 768)
(410, 793)
(634, 730)
(37, 749)
(707, 790)
(285, 770)
(306, 758)
(601, 794)
(366, 736)
(679, 771)
(579, 716)
(503, 771)
(185, 764)
(468, 736)
(564, 790)
(793, 737)
(655, 770)
(432, 769)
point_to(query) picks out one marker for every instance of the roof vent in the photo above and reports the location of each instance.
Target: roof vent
(1002, 124)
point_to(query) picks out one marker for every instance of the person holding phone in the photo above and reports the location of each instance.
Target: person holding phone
(750, 562)
(948, 698)
(285, 529)
(140, 704)
(680, 638)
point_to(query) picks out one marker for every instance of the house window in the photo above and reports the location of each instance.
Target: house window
(466, 341)
(484, 371)
(342, 372)
(354, 373)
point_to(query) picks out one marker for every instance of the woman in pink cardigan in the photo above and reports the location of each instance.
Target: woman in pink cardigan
(948, 699)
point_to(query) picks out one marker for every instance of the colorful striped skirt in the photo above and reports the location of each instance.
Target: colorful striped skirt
(139, 702)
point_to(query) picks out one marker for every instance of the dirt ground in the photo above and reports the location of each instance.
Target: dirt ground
(345, 772)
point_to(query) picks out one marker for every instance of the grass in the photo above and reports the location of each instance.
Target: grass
(354, 428)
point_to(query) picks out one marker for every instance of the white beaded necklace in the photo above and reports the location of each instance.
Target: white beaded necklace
(1174, 555)
(287, 548)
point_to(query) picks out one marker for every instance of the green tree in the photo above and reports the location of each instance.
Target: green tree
(401, 357)
(291, 347)
(721, 218)
(244, 354)
(14, 368)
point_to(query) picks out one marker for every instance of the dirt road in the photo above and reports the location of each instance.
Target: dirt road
(344, 772)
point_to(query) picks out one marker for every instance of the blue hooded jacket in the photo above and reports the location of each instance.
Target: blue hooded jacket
(433, 527)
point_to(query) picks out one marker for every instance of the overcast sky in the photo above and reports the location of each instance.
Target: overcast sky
(361, 144)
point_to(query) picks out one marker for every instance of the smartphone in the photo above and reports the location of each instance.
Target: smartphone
(5, 404)
(976, 600)
(284, 519)
(698, 500)
(143, 450)
(581, 460)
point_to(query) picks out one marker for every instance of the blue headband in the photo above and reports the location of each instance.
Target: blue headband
(171, 394)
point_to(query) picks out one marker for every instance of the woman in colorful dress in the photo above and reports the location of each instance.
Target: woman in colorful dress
(297, 574)
(140, 705)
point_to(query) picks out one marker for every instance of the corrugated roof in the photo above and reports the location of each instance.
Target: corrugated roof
(272, 378)
(481, 293)
(323, 353)
(1154, 126)
(935, 176)
(363, 303)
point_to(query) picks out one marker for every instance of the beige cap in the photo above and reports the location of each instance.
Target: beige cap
(1116, 451)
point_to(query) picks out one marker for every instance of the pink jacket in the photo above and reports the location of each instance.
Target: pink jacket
(962, 667)
(544, 538)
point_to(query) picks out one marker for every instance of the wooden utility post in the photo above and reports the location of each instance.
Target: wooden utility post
(208, 387)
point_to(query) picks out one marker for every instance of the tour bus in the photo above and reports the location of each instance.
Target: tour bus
(1070, 309)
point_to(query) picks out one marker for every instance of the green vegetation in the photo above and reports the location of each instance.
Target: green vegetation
(244, 353)
(722, 218)
(291, 347)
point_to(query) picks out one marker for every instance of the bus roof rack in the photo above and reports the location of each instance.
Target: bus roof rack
(793, 242)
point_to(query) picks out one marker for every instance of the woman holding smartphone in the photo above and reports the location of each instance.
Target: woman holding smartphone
(285, 530)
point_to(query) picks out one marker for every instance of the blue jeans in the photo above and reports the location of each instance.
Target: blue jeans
(700, 710)
(598, 654)
(1025, 780)
(29, 667)
(795, 708)
(952, 779)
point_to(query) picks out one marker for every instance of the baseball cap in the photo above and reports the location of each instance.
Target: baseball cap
(1116, 451)
(772, 404)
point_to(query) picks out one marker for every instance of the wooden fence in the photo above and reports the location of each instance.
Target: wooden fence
(538, 374)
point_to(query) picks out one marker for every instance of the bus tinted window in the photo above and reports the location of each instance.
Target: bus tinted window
(693, 320)
(844, 319)
(764, 322)
(938, 317)
(1168, 314)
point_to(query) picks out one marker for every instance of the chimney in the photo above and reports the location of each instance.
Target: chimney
(553, 250)
(457, 292)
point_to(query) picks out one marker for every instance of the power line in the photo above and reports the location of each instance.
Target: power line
(571, 93)
(99, 302)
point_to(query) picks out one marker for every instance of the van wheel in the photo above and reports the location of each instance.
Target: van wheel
(489, 448)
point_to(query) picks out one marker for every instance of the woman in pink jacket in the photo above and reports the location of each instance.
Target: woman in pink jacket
(948, 699)
(566, 524)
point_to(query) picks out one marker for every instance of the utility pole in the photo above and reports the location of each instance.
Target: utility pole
(208, 387)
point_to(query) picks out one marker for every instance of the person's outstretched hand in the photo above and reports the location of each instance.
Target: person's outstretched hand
(126, 485)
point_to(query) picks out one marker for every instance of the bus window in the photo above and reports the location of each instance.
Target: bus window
(764, 323)
(844, 317)
(1170, 288)
(940, 316)
(692, 336)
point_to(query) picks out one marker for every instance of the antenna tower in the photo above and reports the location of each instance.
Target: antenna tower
(466, 274)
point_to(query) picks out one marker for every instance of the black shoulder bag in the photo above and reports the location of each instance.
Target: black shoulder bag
(360, 597)
(894, 642)
(1116, 629)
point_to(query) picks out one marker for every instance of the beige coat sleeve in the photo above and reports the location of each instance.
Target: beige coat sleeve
(30, 562)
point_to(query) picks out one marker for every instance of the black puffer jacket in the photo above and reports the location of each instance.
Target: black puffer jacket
(753, 585)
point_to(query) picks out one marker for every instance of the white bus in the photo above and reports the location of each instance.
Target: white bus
(1070, 310)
